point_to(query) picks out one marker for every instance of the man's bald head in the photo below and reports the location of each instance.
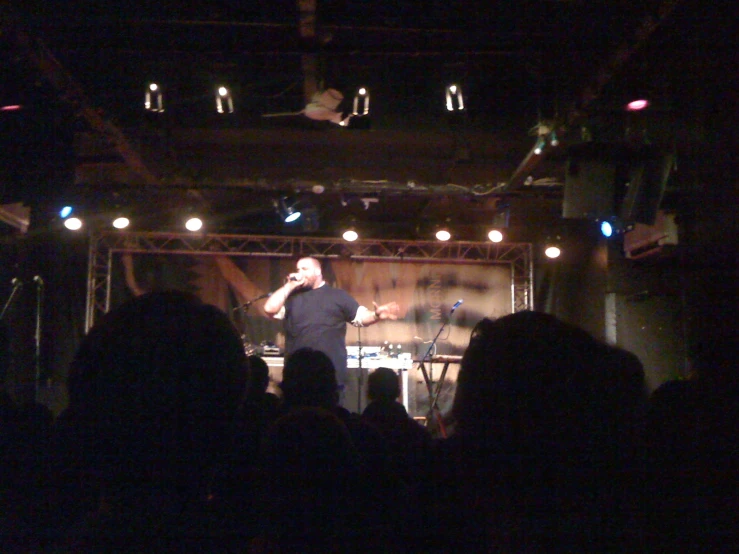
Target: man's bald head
(310, 268)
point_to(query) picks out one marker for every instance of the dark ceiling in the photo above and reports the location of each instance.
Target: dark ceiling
(525, 68)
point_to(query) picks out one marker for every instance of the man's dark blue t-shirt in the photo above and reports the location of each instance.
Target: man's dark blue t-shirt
(317, 318)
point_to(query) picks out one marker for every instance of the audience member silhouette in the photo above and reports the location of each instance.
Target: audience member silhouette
(309, 381)
(692, 438)
(257, 384)
(543, 456)
(153, 393)
(258, 410)
(409, 443)
(313, 489)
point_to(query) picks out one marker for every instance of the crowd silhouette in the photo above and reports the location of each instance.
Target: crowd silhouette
(171, 442)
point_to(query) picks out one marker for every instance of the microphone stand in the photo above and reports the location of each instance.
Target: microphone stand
(360, 374)
(248, 347)
(17, 283)
(433, 397)
(37, 337)
(246, 305)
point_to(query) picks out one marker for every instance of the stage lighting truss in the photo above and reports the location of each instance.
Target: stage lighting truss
(103, 243)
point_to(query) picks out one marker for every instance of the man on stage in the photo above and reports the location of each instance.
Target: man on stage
(315, 315)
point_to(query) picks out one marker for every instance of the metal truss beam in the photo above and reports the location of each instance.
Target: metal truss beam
(104, 245)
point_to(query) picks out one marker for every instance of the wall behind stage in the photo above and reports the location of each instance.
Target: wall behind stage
(425, 292)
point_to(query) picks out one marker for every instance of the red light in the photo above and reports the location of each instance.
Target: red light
(11, 108)
(636, 105)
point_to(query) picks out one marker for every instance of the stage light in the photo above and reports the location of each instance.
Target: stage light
(454, 98)
(612, 227)
(499, 223)
(288, 209)
(224, 101)
(153, 98)
(443, 234)
(73, 223)
(495, 235)
(361, 102)
(350, 235)
(638, 104)
(539, 146)
(121, 222)
(553, 247)
(65, 212)
(553, 140)
(552, 251)
(194, 224)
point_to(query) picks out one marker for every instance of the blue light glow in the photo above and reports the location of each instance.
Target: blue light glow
(606, 229)
(65, 212)
(292, 217)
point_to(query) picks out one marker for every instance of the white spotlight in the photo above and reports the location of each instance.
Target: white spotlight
(552, 252)
(350, 235)
(361, 102)
(121, 222)
(443, 235)
(194, 224)
(73, 223)
(153, 98)
(495, 235)
(454, 98)
(224, 101)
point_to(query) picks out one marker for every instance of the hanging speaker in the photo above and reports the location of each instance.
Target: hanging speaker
(590, 181)
(649, 172)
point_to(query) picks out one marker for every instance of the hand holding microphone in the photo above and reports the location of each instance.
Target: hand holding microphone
(295, 279)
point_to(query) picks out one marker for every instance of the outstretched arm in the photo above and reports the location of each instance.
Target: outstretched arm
(386, 311)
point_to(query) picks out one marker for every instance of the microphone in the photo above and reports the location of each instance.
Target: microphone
(38, 280)
(292, 278)
(457, 305)
(16, 282)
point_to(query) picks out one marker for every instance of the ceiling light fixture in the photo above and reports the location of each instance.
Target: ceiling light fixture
(121, 222)
(288, 209)
(224, 100)
(153, 98)
(73, 223)
(350, 235)
(454, 98)
(194, 224)
(495, 235)
(443, 234)
(637, 105)
(361, 102)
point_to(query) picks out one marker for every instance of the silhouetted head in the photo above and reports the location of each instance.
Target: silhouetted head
(530, 378)
(158, 379)
(258, 376)
(309, 379)
(383, 384)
